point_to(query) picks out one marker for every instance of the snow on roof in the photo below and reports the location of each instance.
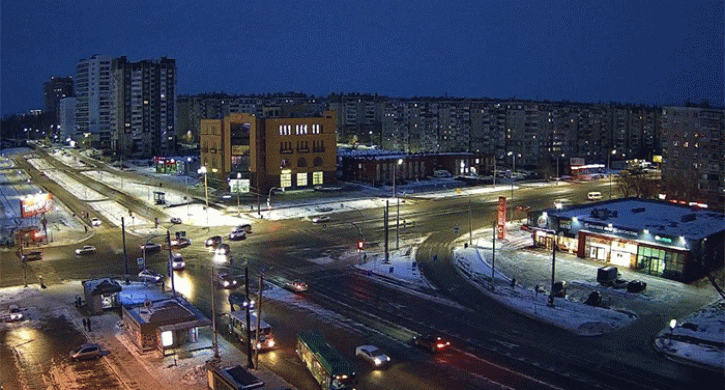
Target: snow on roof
(656, 216)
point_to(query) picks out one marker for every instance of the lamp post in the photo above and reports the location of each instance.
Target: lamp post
(395, 194)
(215, 345)
(557, 168)
(269, 199)
(239, 212)
(673, 324)
(203, 171)
(609, 171)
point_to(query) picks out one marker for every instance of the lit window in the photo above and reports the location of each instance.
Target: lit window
(316, 178)
(302, 179)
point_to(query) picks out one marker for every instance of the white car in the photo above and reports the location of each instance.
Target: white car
(372, 354)
(95, 222)
(15, 313)
(320, 219)
(177, 262)
(296, 286)
(237, 235)
(150, 275)
(88, 249)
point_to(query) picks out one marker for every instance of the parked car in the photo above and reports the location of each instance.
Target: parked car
(175, 220)
(95, 222)
(238, 235)
(150, 247)
(297, 286)
(34, 255)
(636, 286)
(15, 313)
(213, 241)
(86, 352)
(222, 249)
(149, 275)
(321, 219)
(372, 354)
(86, 250)
(226, 280)
(180, 243)
(431, 342)
(177, 261)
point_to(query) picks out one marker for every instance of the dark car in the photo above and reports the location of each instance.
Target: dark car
(222, 249)
(226, 280)
(431, 342)
(86, 352)
(636, 286)
(176, 220)
(213, 241)
(150, 247)
(35, 255)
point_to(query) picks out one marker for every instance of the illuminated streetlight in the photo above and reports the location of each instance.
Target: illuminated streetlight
(395, 194)
(609, 171)
(203, 171)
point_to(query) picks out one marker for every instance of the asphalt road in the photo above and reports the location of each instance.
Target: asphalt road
(492, 346)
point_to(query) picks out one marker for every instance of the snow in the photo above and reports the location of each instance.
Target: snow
(697, 338)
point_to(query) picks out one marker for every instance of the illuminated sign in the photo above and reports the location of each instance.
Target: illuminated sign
(666, 240)
(501, 226)
(36, 204)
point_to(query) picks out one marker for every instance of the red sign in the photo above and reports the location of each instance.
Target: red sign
(501, 224)
(36, 204)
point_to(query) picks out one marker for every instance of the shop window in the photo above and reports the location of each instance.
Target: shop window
(285, 180)
(317, 178)
(302, 179)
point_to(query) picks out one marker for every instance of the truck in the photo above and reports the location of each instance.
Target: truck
(607, 275)
(231, 378)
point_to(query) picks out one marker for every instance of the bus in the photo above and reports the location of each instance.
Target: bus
(238, 326)
(326, 364)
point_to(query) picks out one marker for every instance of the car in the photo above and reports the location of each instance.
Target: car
(372, 354)
(321, 219)
(34, 255)
(431, 342)
(180, 243)
(246, 227)
(636, 286)
(149, 275)
(227, 281)
(86, 352)
(175, 220)
(177, 261)
(297, 286)
(562, 203)
(213, 241)
(238, 235)
(150, 247)
(15, 313)
(86, 250)
(95, 222)
(222, 249)
(241, 301)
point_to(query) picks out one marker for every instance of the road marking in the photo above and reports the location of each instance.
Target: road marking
(507, 369)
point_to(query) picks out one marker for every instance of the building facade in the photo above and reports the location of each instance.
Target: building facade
(693, 168)
(654, 237)
(67, 118)
(93, 101)
(143, 108)
(273, 151)
(54, 90)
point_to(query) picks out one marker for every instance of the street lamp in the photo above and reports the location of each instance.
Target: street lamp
(239, 212)
(203, 171)
(673, 324)
(395, 194)
(269, 199)
(557, 168)
(609, 171)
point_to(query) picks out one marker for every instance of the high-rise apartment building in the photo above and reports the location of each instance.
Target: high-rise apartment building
(93, 101)
(55, 89)
(693, 146)
(66, 118)
(143, 97)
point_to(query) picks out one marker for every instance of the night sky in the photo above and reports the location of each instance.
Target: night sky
(584, 51)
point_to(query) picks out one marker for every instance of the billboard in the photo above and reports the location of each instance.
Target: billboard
(501, 220)
(33, 205)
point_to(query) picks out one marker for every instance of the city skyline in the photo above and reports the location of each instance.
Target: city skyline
(643, 53)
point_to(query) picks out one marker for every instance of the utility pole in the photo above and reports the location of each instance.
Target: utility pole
(553, 262)
(125, 256)
(470, 226)
(250, 364)
(385, 217)
(259, 319)
(215, 346)
(493, 257)
(169, 267)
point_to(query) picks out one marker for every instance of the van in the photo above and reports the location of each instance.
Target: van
(35, 255)
(594, 195)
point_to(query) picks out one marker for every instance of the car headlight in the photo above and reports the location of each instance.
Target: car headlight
(270, 343)
(225, 283)
(378, 361)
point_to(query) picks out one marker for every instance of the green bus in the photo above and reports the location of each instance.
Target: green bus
(326, 364)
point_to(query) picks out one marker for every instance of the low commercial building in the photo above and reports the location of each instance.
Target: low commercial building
(653, 237)
(165, 325)
(101, 294)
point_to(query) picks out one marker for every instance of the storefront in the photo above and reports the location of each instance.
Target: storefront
(656, 238)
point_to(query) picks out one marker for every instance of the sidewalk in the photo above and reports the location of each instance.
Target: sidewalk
(183, 371)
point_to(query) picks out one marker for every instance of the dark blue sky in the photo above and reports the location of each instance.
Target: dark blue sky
(587, 51)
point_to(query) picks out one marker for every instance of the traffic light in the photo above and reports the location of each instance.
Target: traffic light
(361, 245)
